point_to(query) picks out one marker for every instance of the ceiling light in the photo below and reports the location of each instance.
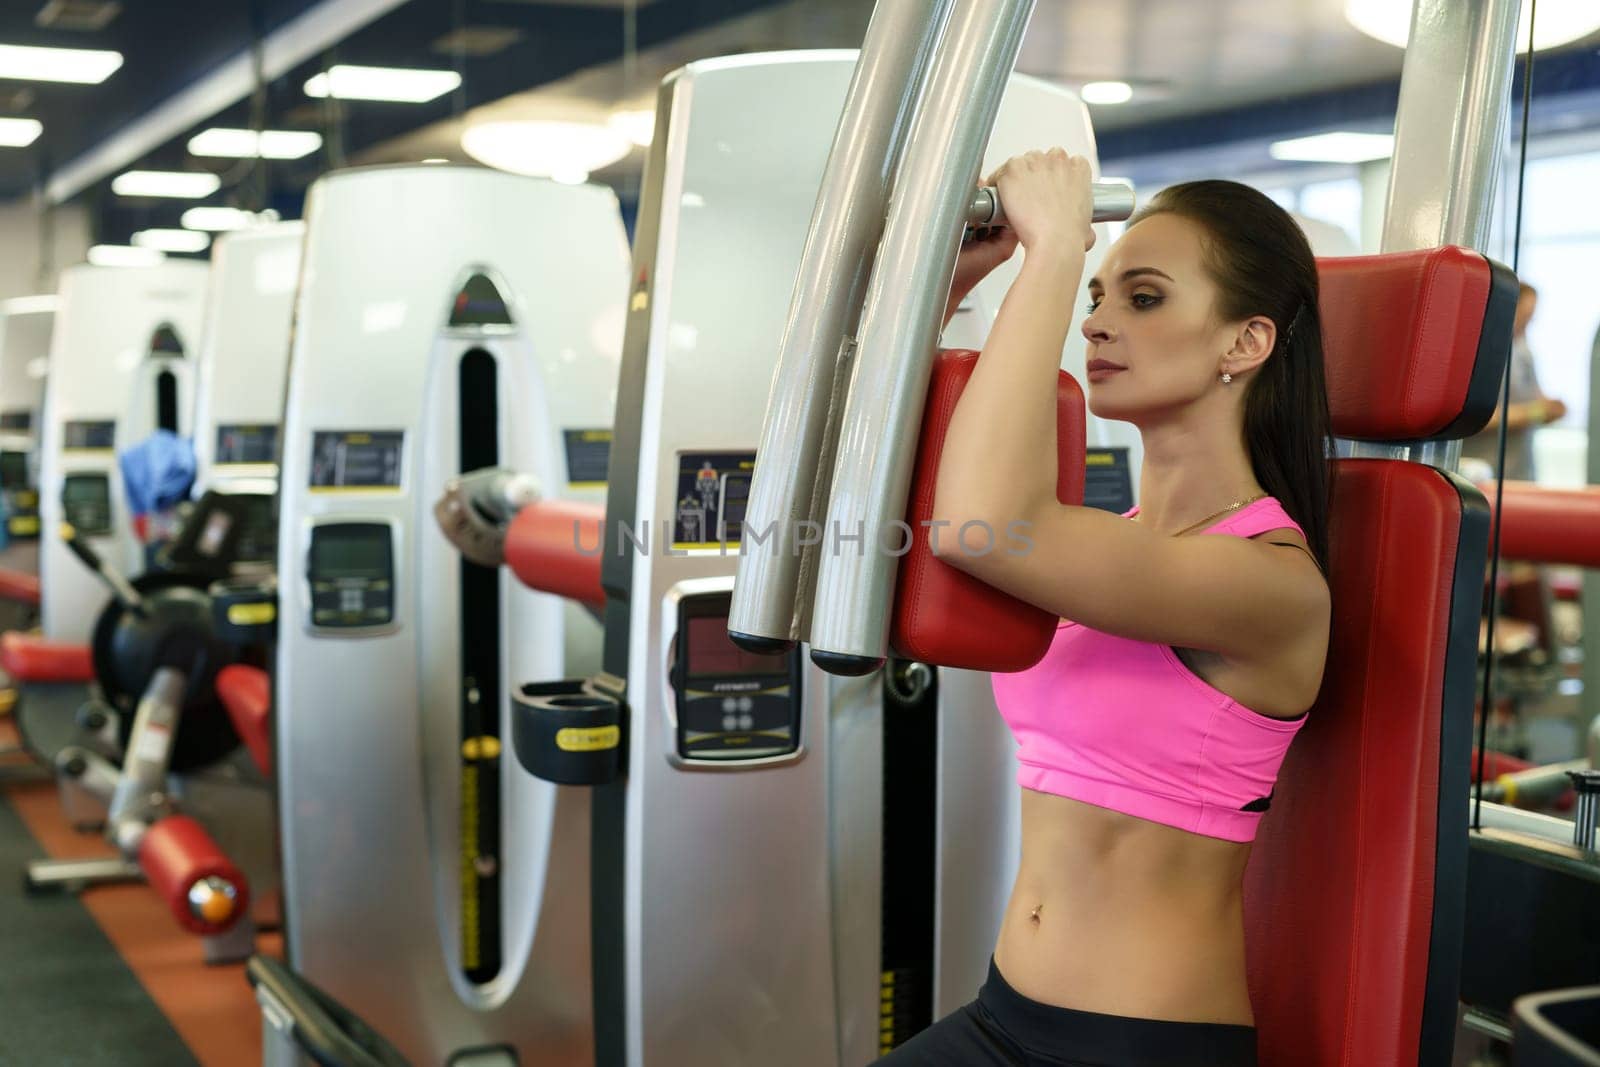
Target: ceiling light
(545, 149)
(18, 133)
(1340, 147)
(1106, 93)
(345, 82)
(217, 219)
(83, 66)
(178, 184)
(125, 256)
(172, 240)
(637, 126)
(1560, 21)
(248, 144)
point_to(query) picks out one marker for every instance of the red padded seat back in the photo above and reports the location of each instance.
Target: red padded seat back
(1353, 896)
(1355, 892)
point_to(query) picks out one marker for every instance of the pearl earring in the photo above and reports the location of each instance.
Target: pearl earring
(1227, 379)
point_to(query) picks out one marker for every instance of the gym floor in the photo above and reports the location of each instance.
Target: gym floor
(105, 978)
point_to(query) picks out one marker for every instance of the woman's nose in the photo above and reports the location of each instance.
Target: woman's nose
(1098, 331)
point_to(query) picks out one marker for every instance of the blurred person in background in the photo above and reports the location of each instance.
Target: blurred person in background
(1527, 410)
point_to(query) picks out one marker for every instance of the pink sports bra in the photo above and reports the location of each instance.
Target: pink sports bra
(1125, 725)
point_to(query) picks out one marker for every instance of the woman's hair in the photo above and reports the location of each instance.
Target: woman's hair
(1263, 265)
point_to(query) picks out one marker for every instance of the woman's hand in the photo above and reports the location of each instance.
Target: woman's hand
(1048, 199)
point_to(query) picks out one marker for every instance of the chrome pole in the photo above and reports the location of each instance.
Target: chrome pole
(771, 594)
(899, 328)
(1449, 130)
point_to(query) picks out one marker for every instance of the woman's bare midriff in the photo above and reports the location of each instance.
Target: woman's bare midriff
(1122, 916)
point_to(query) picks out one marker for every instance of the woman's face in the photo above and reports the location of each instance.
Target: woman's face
(1155, 343)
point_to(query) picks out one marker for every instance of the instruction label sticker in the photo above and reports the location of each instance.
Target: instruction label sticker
(88, 435)
(588, 456)
(356, 459)
(713, 491)
(246, 444)
(1108, 481)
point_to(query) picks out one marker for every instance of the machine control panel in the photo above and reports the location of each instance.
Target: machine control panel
(350, 571)
(733, 706)
(86, 502)
(88, 435)
(241, 444)
(356, 459)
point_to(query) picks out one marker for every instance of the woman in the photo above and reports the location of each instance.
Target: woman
(1151, 733)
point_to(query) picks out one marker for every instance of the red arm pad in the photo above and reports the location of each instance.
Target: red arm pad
(554, 546)
(944, 616)
(30, 658)
(247, 694)
(1496, 764)
(1543, 525)
(19, 586)
(177, 855)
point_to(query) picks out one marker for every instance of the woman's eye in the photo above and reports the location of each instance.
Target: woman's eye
(1091, 307)
(1145, 300)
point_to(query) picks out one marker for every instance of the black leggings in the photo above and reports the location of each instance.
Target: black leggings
(1006, 1029)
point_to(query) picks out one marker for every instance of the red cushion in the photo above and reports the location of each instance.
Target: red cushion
(1415, 342)
(1341, 894)
(943, 615)
(554, 546)
(176, 853)
(27, 657)
(19, 586)
(247, 694)
(1544, 525)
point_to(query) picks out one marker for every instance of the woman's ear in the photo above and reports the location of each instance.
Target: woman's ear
(1256, 339)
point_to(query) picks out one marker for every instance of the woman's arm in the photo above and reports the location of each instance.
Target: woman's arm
(1242, 598)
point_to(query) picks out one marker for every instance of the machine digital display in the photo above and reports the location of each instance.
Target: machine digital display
(351, 572)
(711, 652)
(356, 459)
(713, 491)
(16, 420)
(13, 470)
(87, 434)
(246, 444)
(86, 503)
(733, 706)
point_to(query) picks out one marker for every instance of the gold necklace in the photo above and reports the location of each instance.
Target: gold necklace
(1235, 506)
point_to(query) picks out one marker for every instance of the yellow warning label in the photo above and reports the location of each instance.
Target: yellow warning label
(24, 525)
(1099, 459)
(588, 738)
(252, 614)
